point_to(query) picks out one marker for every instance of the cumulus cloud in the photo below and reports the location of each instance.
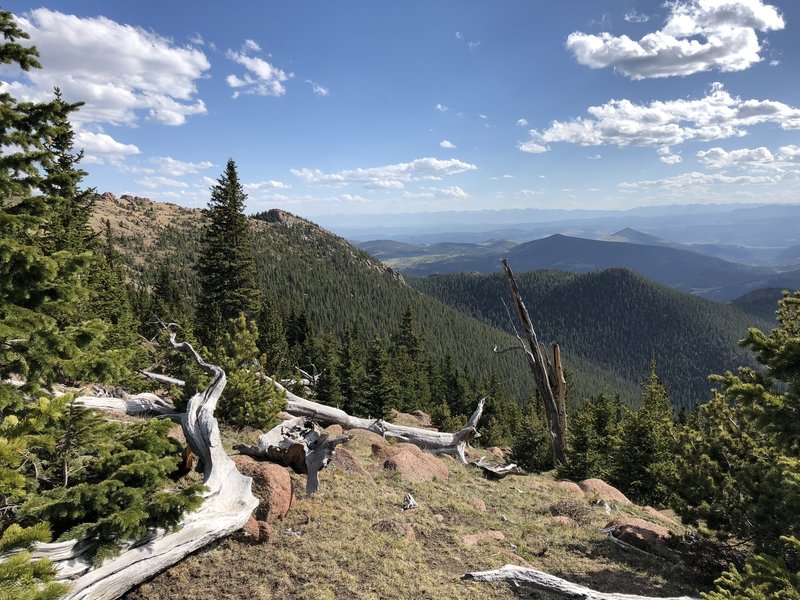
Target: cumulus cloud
(433, 193)
(441, 108)
(522, 122)
(121, 72)
(717, 115)
(317, 88)
(102, 143)
(447, 144)
(699, 35)
(178, 168)
(267, 184)
(261, 77)
(389, 176)
(668, 157)
(751, 158)
(154, 182)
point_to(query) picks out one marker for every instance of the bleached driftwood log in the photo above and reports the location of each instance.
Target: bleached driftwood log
(138, 404)
(299, 444)
(531, 578)
(432, 441)
(496, 471)
(227, 506)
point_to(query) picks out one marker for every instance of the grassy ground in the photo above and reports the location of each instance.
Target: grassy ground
(327, 548)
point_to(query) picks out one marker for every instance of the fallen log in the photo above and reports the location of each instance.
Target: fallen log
(139, 404)
(433, 441)
(496, 471)
(532, 578)
(299, 444)
(227, 506)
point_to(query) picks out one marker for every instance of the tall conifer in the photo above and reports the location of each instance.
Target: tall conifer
(226, 267)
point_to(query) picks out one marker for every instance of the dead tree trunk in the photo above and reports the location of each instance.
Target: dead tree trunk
(531, 578)
(536, 361)
(227, 506)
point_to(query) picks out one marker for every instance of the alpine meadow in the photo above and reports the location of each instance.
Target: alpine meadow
(382, 300)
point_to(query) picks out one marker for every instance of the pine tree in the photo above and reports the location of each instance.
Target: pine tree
(739, 461)
(272, 338)
(248, 400)
(645, 457)
(226, 267)
(382, 389)
(353, 375)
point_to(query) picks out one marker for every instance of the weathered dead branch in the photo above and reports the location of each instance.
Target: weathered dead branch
(531, 578)
(538, 366)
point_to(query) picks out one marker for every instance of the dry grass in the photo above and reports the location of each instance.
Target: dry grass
(327, 548)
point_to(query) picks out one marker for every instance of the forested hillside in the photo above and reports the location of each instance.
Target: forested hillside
(313, 275)
(617, 319)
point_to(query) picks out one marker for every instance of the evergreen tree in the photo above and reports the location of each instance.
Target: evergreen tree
(353, 375)
(226, 267)
(739, 461)
(645, 457)
(382, 389)
(329, 385)
(595, 437)
(248, 400)
(272, 338)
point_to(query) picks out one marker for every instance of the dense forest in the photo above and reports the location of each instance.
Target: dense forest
(617, 319)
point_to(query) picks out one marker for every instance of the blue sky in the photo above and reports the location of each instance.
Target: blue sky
(386, 106)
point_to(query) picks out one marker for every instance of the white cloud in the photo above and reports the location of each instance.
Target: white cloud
(694, 179)
(317, 88)
(121, 72)
(594, 157)
(473, 45)
(178, 168)
(635, 17)
(388, 176)
(154, 182)
(522, 122)
(718, 115)
(267, 184)
(774, 62)
(261, 78)
(447, 144)
(453, 191)
(441, 108)
(459, 35)
(699, 35)
(528, 193)
(102, 143)
(668, 157)
(751, 158)
(197, 39)
(532, 147)
(251, 46)
(482, 116)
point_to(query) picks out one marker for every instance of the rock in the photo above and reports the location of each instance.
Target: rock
(571, 487)
(601, 490)
(364, 437)
(438, 518)
(483, 537)
(415, 418)
(284, 416)
(334, 430)
(663, 516)
(562, 521)
(272, 485)
(497, 452)
(345, 460)
(640, 534)
(256, 532)
(479, 504)
(395, 528)
(411, 462)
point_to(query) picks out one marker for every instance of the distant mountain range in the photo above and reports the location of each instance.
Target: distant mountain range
(668, 263)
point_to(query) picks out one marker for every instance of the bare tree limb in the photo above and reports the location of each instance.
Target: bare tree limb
(532, 578)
